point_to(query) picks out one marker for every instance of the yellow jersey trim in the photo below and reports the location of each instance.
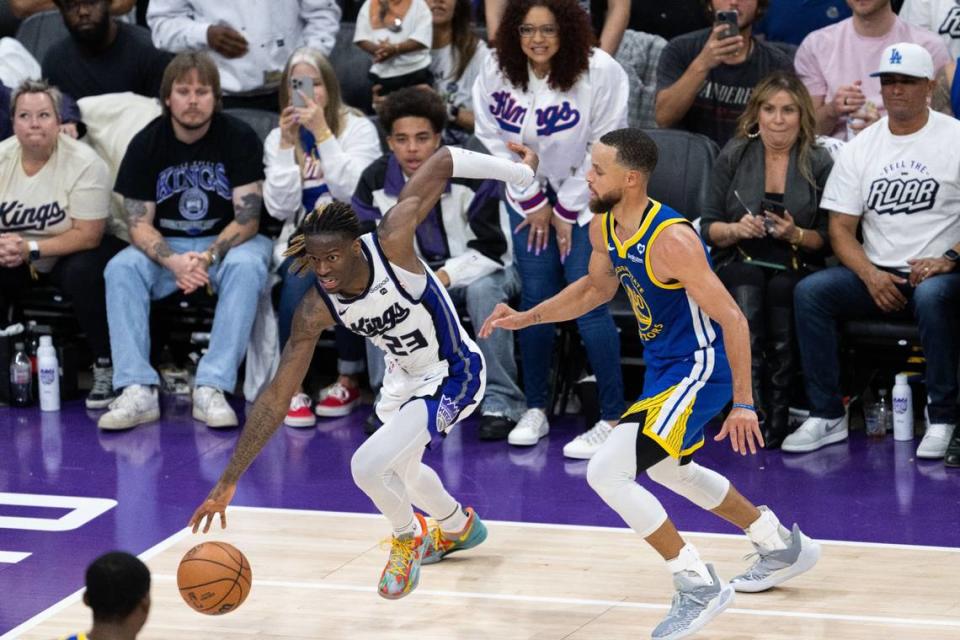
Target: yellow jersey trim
(646, 255)
(625, 246)
(673, 442)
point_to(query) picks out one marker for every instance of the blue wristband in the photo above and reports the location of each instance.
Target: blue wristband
(741, 405)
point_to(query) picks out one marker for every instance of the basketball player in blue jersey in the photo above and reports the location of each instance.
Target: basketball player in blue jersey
(691, 329)
(377, 287)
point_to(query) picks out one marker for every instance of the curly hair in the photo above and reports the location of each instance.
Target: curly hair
(573, 55)
(413, 102)
(333, 218)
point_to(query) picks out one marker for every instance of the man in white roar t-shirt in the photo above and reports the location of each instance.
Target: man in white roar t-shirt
(900, 179)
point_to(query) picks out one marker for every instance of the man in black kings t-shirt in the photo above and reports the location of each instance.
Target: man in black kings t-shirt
(705, 79)
(190, 182)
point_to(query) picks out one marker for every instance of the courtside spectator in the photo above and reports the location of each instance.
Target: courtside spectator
(549, 90)
(836, 62)
(898, 185)
(191, 183)
(102, 54)
(456, 57)
(763, 219)
(249, 40)
(705, 78)
(314, 157)
(941, 17)
(55, 200)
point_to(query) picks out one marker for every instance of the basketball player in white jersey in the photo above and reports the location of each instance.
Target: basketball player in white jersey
(377, 287)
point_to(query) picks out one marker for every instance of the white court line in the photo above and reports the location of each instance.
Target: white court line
(176, 537)
(606, 604)
(13, 557)
(74, 597)
(584, 527)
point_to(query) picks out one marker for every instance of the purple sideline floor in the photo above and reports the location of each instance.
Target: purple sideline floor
(158, 473)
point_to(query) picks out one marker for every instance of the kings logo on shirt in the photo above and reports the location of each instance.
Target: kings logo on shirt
(905, 187)
(951, 23)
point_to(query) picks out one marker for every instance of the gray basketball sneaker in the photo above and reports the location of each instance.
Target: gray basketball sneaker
(694, 605)
(775, 567)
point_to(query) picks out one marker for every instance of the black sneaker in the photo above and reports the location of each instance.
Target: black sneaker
(372, 423)
(952, 458)
(102, 393)
(494, 427)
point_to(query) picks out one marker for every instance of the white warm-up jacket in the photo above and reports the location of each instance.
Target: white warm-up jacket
(564, 125)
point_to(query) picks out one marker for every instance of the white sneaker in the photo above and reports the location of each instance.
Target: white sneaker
(530, 428)
(935, 441)
(815, 433)
(586, 444)
(136, 405)
(210, 406)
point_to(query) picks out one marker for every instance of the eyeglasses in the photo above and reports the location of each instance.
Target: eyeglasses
(887, 80)
(545, 30)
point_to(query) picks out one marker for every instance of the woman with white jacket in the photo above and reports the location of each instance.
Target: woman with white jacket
(548, 89)
(316, 155)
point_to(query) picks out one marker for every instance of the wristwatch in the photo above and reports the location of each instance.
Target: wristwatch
(34, 250)
(212, 253)
(952, 256)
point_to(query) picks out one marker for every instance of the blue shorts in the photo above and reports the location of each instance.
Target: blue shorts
(679, 398)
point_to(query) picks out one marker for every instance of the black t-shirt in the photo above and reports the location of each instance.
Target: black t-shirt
(726, 91)
(668, 19)
(131, 63)
(191, 184)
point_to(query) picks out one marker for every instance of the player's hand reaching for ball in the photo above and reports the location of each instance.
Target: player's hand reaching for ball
(216, 502)
(744, 430)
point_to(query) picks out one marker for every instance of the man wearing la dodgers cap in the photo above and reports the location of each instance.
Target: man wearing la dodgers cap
(899, 181)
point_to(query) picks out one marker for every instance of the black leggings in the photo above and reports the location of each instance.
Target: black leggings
(79, 276)
(775, 287)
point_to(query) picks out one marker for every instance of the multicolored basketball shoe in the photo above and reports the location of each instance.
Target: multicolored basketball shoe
(442, 545)
(402, 572)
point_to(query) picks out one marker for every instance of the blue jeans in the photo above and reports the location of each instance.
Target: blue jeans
(350, 349)
(837, 293)
(503, 395)
(133, 280)
(543, 276)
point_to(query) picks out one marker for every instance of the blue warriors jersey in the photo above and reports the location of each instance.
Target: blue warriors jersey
(688, 379)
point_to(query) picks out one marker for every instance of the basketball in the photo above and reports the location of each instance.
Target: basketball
(214, 578)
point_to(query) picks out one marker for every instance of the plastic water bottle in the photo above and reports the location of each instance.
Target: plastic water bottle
(902, 409)
(21, 377)
(884, 419)
(49, 375)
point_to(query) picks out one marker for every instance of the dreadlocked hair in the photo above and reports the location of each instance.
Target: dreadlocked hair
(331, 218)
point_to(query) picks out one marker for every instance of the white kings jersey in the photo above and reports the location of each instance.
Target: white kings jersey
(411, 318)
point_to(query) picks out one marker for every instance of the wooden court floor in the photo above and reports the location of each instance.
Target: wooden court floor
(315, 575)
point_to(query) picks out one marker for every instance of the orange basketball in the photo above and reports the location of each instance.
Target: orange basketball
(214, 578)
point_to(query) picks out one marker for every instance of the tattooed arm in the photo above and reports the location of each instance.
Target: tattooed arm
(940, 101)
(311, 319)
(596, 288)
(246, 221)
(186, 267)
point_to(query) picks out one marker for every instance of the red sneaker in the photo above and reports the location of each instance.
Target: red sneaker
(336, 401)
(300, 414)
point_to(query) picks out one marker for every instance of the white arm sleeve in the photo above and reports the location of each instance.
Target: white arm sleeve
(480, 166)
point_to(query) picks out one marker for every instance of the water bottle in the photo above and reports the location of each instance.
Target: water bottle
(884, 419)
(49, 375)
(902, 409)
(21, 377)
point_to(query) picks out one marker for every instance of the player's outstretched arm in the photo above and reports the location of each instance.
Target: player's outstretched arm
(426, 185)
(596, 288)
(311, 319)
(678, 255)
